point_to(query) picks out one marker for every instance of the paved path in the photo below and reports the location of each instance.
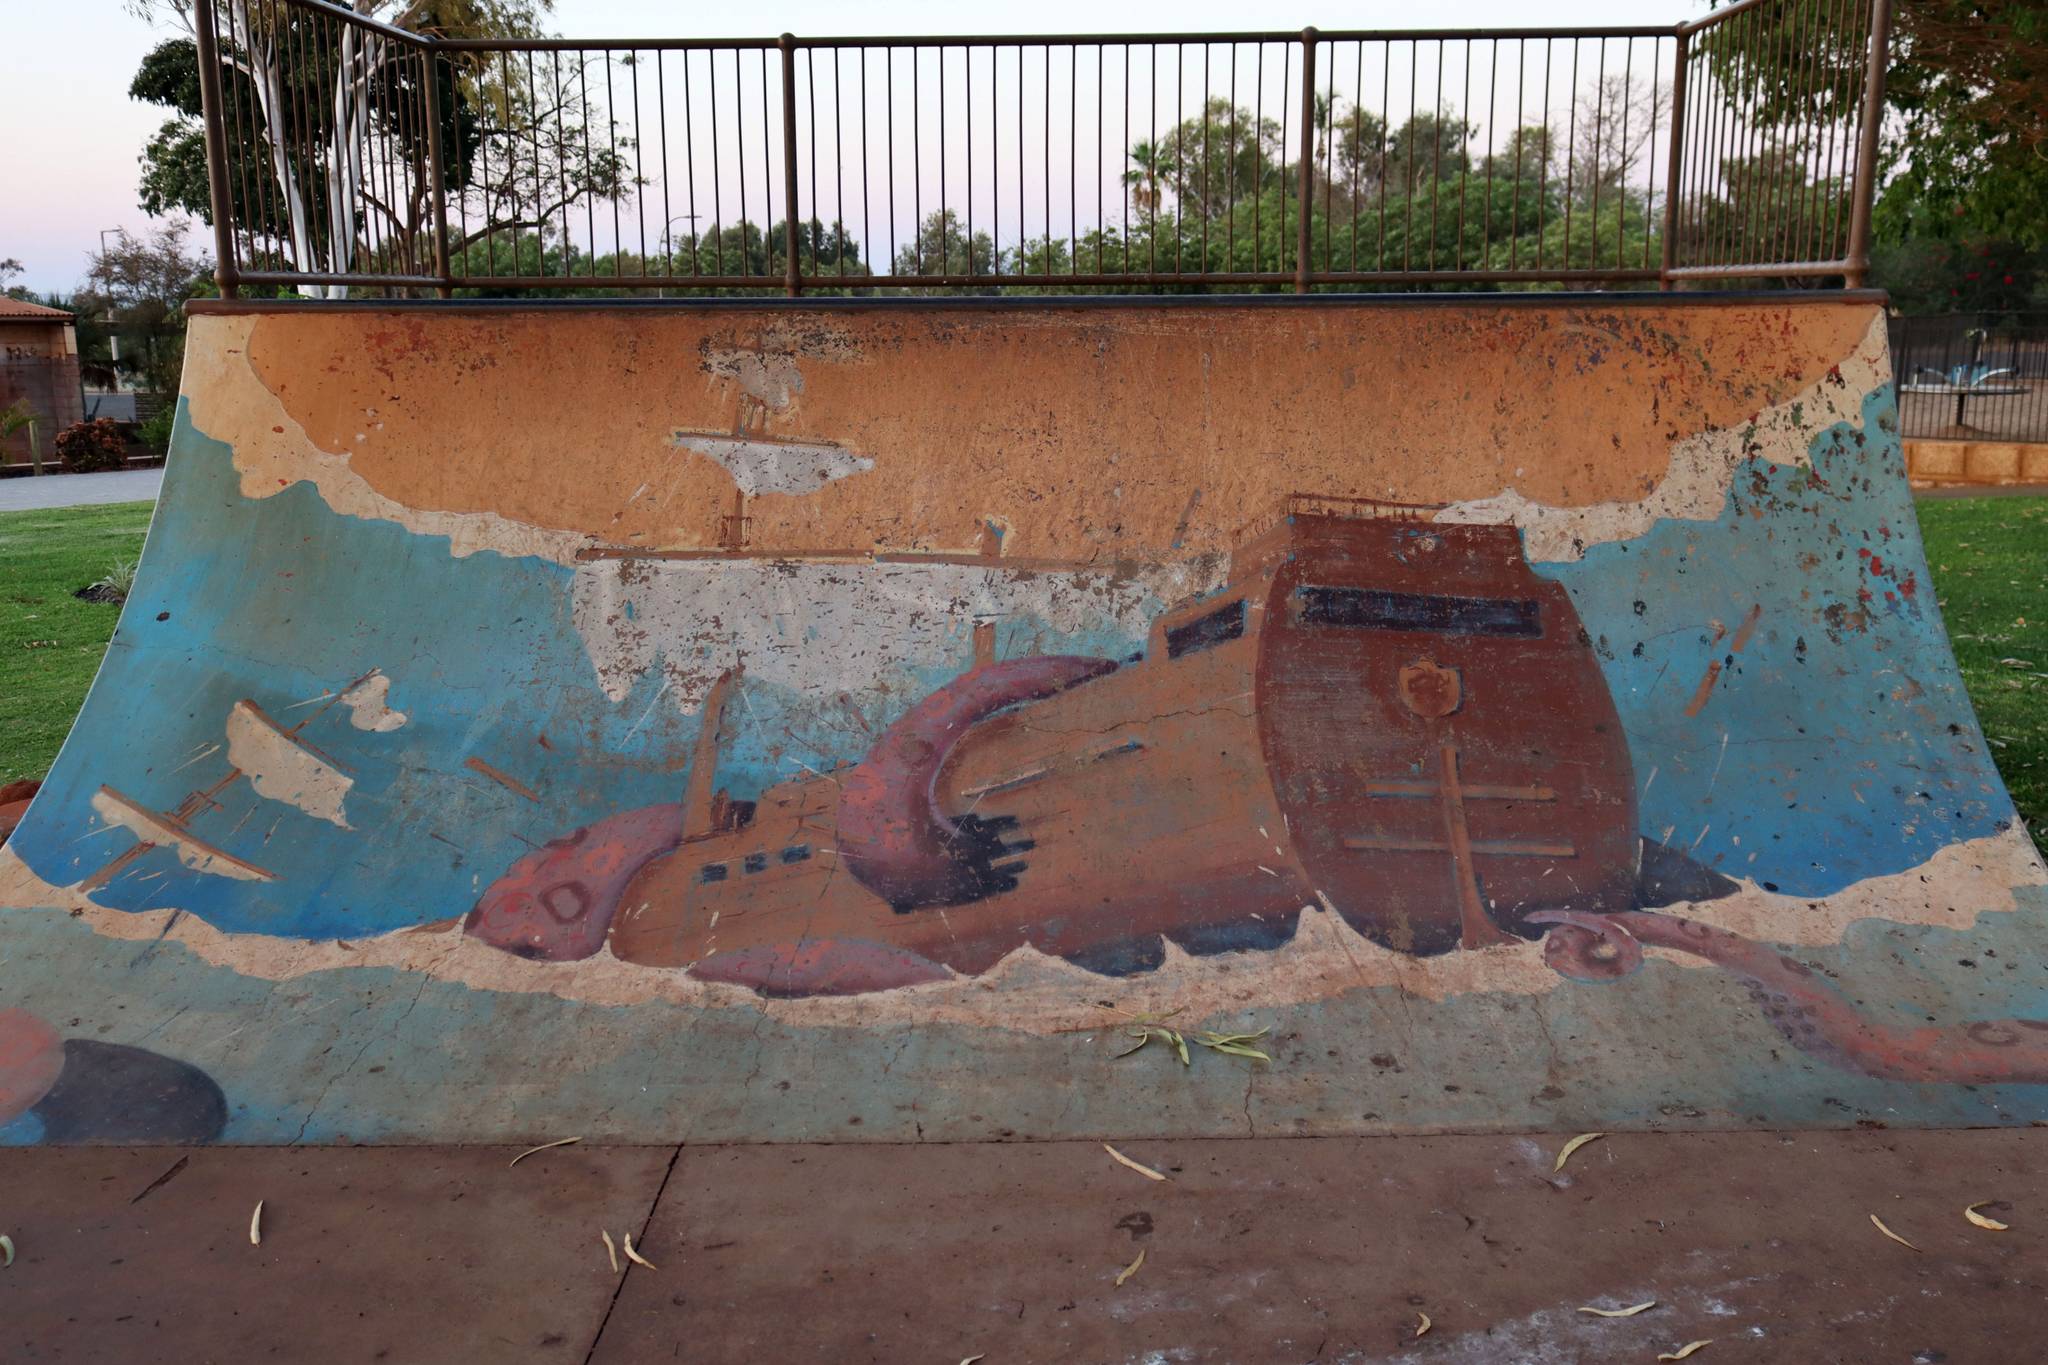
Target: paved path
(1283, 1250)
(26, 492)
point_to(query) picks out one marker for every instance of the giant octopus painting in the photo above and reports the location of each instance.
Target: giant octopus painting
(1392, 717)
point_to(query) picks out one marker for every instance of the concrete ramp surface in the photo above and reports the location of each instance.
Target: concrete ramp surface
(730, 722)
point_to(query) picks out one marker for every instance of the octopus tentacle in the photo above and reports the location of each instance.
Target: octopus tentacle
(1812, 1015)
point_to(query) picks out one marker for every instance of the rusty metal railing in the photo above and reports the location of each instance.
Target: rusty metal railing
(345, 155)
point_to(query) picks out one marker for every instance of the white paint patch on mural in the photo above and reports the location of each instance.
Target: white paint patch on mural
(854, 626)
(1032, 992)
(1695, 483)
(760, 464)
(369, 706)
(283, 768)
(163, 831)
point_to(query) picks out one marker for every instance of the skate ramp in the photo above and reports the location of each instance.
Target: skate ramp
(742, 722)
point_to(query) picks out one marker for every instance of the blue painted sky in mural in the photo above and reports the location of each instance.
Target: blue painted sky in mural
(1813, 762)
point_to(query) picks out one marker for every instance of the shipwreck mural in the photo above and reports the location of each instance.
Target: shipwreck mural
(811, 719)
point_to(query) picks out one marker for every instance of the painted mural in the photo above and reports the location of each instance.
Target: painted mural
(762, 724)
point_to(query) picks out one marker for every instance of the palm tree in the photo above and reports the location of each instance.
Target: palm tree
(1145, 180)
(16, 417)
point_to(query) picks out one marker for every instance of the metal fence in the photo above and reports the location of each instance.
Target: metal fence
(1972, 376)
(344, 154)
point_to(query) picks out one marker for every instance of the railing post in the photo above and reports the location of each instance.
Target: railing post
(208, 45)
(1303, 234)
(792, 279)
(1674, 166)
(1865, 189)
(437, 194)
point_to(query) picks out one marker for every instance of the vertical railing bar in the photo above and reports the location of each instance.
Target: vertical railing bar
(867, 226)
(247, 218)
(767, 172)
(1152, 166)
(1864, 187)
(838, 168)
(1543, 174)
(1767, 247)
(967, 107)
(1597, 174)
(1357, 141)
(207, 43)
(1101, 227)
(1180, 170)
(1259, 139)
(1386, 163)
(1811, 37)
(1650, 146)
(811, 120)
(889, 133)
(945, 209)
(1329, 128)
(436, 181)
(290, 78)
(1286, 89)
(1208, 207)
(1230, 180)
(717, 174)
(792, 267)
(1126, 180)
(611, 125)
(295, 160)
(1515, 183)
(1305, 229)
(917, 163)
(1073, 159)
(1571, 148)
(1464, 157)
(1492, 114)
(582, 62)
(1408, 170)
(668, 218)
(1621, 213)
(1436, 165)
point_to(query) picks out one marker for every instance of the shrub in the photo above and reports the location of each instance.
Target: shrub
(84, 447)
(156, 432)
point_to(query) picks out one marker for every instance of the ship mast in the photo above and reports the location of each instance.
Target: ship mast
(699, 797)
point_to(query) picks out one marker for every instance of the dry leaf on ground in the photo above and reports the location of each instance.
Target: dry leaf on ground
(558, 1142)
(1981, 1221)
(1139, 1167)
(1573, 1146)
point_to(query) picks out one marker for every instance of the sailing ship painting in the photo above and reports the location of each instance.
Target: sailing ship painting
(1376, 713)
(1380, 715)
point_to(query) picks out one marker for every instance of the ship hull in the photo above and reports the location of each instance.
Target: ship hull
(1397, 722)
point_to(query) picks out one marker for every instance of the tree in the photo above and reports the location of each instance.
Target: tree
(140, 286)
(329, 168)
(17, 417)
(1966, 150)
(942, 247)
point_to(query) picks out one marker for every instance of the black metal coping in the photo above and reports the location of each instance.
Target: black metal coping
(1039, 302)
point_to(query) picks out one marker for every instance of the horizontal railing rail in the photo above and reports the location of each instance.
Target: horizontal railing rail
(346, 155)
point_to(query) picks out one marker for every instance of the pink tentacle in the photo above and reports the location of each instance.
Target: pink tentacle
(1808, 1012)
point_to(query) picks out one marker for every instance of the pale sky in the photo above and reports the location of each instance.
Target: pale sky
(70, 136)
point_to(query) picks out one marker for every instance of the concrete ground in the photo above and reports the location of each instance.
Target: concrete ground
(28, 493)
(1285, 1250)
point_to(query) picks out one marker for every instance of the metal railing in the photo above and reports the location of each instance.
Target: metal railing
(346, 155)
(1972, 376)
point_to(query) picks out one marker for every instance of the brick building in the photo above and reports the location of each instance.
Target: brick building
(39, 363)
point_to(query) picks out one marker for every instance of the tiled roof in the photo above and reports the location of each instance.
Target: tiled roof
(15, 310)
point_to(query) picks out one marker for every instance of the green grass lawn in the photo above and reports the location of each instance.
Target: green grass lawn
(1990, 558)
(51, 642)
(1990, 562)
